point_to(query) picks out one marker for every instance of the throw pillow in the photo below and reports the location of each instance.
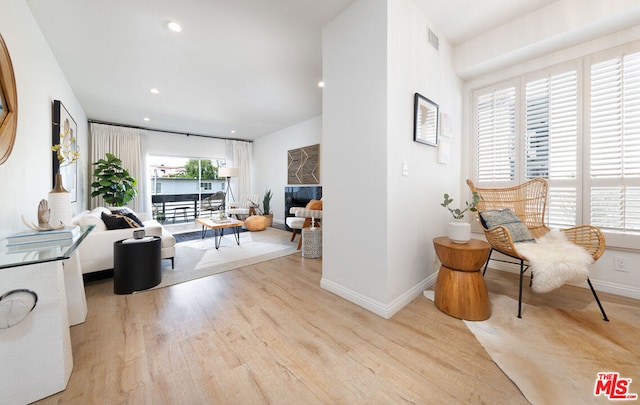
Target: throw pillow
(507, 218)
(314, 205)
(91, 218)
(118, 221)
(128, 213)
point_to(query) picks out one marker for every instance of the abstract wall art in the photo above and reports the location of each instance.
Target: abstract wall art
(303, 165)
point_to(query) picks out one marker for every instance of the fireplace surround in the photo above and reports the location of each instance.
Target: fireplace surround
(299, 196)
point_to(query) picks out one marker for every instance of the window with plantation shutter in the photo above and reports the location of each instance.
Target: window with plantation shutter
(614, 180)
(577, 125)
(551, 142)
(496, 135)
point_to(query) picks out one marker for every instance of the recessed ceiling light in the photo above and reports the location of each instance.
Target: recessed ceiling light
(154, 90)
(320, 83)
(174, 26)
(233, 131)
(147, 119)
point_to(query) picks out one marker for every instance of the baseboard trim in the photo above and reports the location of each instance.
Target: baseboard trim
(386, 311)
(598, 285)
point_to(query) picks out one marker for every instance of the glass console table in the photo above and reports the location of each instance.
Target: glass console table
(9, 258)
(37, 351)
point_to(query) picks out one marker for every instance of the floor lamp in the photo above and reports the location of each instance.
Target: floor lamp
(228, 172)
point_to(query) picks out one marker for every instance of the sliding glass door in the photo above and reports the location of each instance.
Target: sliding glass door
(179, 184)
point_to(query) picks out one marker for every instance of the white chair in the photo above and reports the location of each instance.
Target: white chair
(302, 219)
(245, 207)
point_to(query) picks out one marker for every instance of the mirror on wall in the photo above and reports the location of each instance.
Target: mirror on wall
(8, 103)
(3, 111)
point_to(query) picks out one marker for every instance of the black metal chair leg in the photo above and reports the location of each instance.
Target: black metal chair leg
(487, 263)
(597, 300)
(520, 292)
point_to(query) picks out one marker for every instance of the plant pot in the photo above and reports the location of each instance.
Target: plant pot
(459, 232)
(269, 219)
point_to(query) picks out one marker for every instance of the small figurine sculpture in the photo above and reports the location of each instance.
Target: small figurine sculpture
(44, 214)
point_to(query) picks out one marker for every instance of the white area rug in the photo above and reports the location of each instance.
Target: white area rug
(199, 258)
(554, 355)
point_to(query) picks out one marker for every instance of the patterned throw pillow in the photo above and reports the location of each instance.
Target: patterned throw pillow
(119, 221)
(518, 230)
(128, 213)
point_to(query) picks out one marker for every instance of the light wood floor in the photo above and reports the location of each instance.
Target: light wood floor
(268, 334)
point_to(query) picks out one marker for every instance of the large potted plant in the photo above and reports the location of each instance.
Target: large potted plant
(113, 182)
(266, 207)
(460, 231)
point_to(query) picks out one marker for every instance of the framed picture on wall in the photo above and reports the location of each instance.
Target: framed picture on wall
(64, 132)
(425, 120)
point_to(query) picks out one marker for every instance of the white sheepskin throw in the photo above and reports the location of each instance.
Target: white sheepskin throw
(555, 261)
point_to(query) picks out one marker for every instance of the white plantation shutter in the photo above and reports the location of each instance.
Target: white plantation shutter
(496, 135)
(562, 207)
(551, 141)
(577, 125)
(615, 143)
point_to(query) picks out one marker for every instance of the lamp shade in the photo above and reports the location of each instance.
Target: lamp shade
(227, 172)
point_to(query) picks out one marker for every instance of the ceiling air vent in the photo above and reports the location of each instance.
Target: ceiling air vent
(433, 39)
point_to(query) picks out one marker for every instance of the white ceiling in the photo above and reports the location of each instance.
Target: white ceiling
(249, 66)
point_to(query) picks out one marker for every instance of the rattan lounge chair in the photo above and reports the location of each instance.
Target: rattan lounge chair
(529, 201)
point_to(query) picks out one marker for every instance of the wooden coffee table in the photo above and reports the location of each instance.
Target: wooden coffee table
(219, 226)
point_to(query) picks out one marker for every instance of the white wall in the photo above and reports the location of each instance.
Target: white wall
(270, 160)
(378, 224)
(27, 174)
(415, 216)
(556, 27)
(354, 155)
(603, 277)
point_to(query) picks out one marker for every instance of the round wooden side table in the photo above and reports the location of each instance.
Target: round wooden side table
(460, 289)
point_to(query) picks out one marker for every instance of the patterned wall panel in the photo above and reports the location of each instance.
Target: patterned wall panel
(303, 165)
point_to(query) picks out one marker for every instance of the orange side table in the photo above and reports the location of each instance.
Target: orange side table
(460, 289)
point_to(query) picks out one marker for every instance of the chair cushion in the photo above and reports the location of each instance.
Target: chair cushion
(295, 222)
(507, 218)
(305, 213)
(238, 211)
(256, 223)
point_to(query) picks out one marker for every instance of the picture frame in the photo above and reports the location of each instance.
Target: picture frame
(62, 121)
(446, 125)
(425, 120)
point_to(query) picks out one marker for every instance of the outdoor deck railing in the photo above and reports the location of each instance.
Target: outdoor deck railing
(178, 207)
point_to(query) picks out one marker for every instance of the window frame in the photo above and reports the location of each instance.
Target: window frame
(583, 183)
(624, 240)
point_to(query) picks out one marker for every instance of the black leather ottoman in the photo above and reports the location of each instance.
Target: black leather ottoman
(136, 264)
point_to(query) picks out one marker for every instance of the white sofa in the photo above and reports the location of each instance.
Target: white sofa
(96, 251)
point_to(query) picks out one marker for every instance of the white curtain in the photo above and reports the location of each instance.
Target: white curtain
(130, 146)
(238, 155)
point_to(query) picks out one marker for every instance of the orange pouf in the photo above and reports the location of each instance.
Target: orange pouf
(256, 223)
